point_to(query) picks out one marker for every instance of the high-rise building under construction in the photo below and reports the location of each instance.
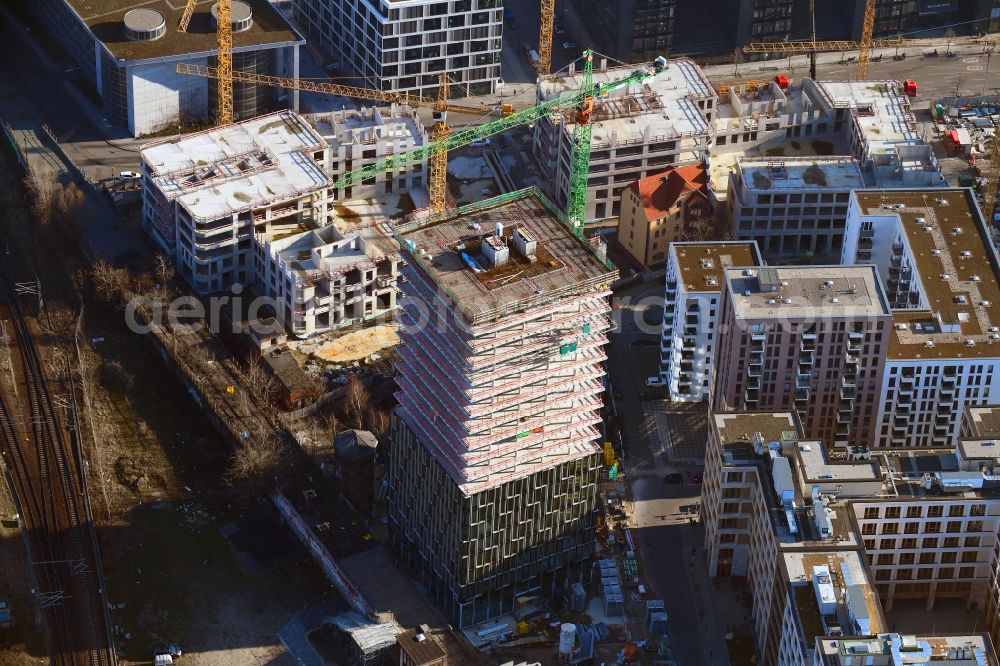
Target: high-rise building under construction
(494, 459)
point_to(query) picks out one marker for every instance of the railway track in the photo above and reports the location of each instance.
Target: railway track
(36, 430)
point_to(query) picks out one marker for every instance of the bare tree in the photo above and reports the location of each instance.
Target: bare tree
(260, 382)
(949, 34)
(959, 84)
(164, 270)
(113, 286)
(357, 398)
(255, 464)
(378, 422)
(737, 59)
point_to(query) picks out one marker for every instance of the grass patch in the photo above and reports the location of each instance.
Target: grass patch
(814, 175)
(779, 151)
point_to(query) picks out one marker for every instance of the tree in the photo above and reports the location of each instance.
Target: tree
(255, 464)
(949, 34)
(356, 398)
(959, 84)
(164, 270)
(378, 422)
(737, 59)
(112, 285)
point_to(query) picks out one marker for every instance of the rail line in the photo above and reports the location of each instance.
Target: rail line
(36, 427)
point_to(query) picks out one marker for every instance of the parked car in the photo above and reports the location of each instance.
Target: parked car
(674, 477)
(512, 22)
(129, 175)
(655, 382)
(568, 46)
(480, 143)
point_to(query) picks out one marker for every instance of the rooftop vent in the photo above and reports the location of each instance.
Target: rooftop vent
(712, 282)
(970, 343)
(920, 220)
(974, 278)
(747, 272)
(945, 276)
(901, 327)
(929, 343)
(956, 230)
(941, 202)
(828, 283)
(928, 228)
(936, 252)
(965, 254)
(984, 304)
(241, 15)
(786, 301)
(144, 25)
(834, 299)
(898, 206)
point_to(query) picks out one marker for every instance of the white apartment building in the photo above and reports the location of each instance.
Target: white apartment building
(933, 254)
(690, 314)
(357, 138)
(637, 131)
(207, 195)
(405, 45)
(871, 533)
(792, 207)
(324, 279)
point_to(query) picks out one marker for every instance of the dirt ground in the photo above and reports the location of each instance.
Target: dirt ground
(156, 479)
(358, 345)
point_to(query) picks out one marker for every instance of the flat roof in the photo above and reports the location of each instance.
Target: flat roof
(105, 18)
(880, 109)
(817, 467)
(740, 427)
(800, 173)
(978, 449)
(250, 164)
(700, 264)
(662, 107)
(563, 264)
(940, 648)
(985, 420)
(847, 569)
(813, 291)
(956, 228)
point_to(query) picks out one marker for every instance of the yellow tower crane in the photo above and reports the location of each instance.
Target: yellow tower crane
(438, 176)
(865, 48)
(224, 71)
(548, 17)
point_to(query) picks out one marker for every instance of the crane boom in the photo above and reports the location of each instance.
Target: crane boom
(548, 17)
(182, 25)
(466, 136)
(865, 50)
(329, 89)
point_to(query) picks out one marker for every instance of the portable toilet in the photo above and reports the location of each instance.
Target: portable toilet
(910, 88)
(782, 81)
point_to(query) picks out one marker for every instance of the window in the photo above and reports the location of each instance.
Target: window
(928, 558)
(892, 512)
(914, 511)
(890, 528)
(906, 558)
(932, 527)
(908, 543)
(935, 511)
(871, 512)
(885, 559)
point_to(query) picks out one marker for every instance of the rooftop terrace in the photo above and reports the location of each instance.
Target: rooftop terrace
(957, 270)
(896, 650)
(563, 264)
(238, 167)
(985, 421)
(700, 265)
(807, 292)
(800, 173)
(847, 572)
(740, 427)
(662, 107)
(105, 18)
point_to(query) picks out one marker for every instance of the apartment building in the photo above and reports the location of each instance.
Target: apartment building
(793, 207)
(808, 338)
(357, 138)
(207, 195)
(934, 256)
(869, 533)
(663, 208)
(631, 30)
(324, 279)
(128, 56)
(407, 45)
(637, 131)
(690, 314)
(494, 463)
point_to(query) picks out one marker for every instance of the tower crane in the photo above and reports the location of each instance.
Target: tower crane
(580, 102)
(437, 185)
(548, 17)
(224, 71)
(865, 49)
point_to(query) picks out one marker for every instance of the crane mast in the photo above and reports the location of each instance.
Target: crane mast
(583, 133)
(865, 48)
(548, 17)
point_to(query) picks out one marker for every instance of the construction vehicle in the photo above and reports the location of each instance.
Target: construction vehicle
(581, 103)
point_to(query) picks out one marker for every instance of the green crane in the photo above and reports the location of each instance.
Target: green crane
(583, 103)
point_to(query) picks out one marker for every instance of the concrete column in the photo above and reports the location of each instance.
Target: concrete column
(891, 597)
(931, 594)
(295, 74)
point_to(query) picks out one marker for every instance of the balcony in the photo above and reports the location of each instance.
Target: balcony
(867, 234)
(687, 354)
(803, 380)
(690, 343)
(843, 429)
(907, 380)
(852, 360)
(844, 417)
(857, 336)
(807, 345)
(848, 393)
(754, 369)
(801, 395)
(895, 262)
(690, 330)
(759, 336)
(687, 366)
(753, 383)
(865, 244)
(903, 410)
(756, 347)
(846, 406)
